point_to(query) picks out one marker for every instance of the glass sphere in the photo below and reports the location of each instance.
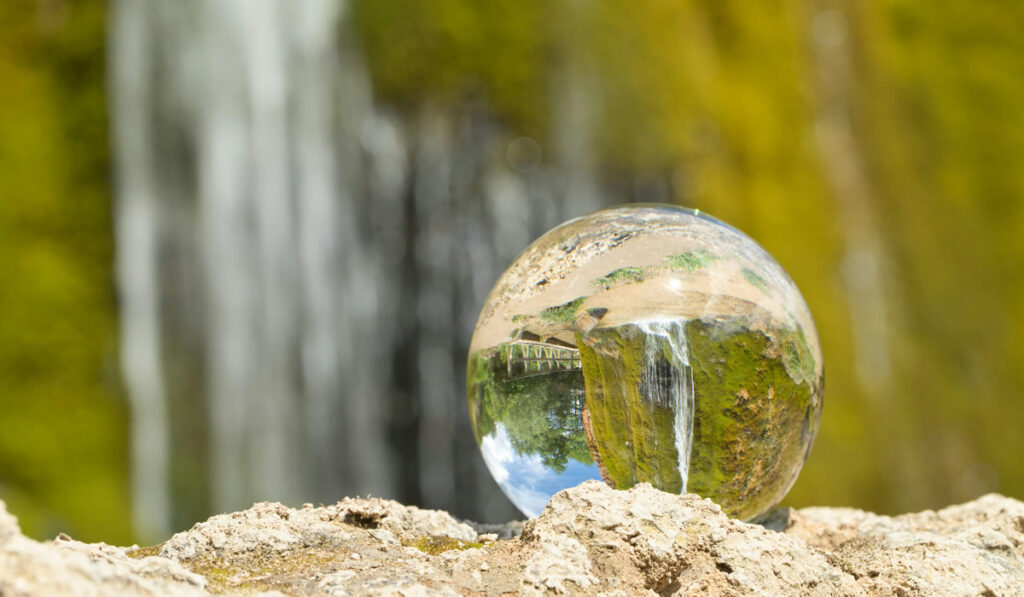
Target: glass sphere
(646, 343)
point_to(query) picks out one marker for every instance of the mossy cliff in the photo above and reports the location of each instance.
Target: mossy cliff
(753, 421)
(635, 437)
(755, 413)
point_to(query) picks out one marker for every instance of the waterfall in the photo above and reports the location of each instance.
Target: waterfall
(668, 381)
(300, 267)
(242, 256)
(864, 268)
(136, 227)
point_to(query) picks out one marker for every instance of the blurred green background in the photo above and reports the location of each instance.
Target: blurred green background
(875, 149)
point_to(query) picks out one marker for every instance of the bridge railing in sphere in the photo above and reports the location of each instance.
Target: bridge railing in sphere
(526, 358)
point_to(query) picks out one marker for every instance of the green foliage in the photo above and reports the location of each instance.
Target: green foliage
(751, 421)
(720, 99)
(623, 274)
(63, 447)
(635, 437)
(264, 570)
(459, 53)
(139, 553)
(691, 261)
(755, 280)
(613, 430)
(724, 101)
(942, 123)
(563, 313)
(437, 544)
(538, 412)
(797, 356)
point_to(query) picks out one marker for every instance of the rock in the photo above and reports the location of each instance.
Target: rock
(70, 568)
(8, 525)
(648, 540)
(508, 530)
(590, 540)
(974, 548)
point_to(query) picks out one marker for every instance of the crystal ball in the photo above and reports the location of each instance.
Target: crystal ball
(646, 343)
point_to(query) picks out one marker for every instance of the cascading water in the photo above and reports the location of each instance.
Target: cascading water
(300, 268)
(246, 267)
(668, 381)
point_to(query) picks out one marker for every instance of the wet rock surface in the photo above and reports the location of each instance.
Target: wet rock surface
(590, 540)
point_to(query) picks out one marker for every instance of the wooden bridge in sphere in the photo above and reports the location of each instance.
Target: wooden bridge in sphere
(526, 358)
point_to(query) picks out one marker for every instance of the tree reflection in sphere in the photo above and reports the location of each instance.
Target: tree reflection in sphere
(646, 343)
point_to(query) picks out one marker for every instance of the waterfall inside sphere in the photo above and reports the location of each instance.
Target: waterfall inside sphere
(646, 343)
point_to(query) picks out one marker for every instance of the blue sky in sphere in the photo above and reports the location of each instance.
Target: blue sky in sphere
(524, 478)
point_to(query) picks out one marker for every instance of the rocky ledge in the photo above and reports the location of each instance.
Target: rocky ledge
(590, 540)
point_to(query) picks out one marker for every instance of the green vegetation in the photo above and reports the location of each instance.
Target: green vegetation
(144, 552)
(63, 427)
(755, 280)
(563, 313)
(613, 428)
(796, 355)
(435, 544)
(265, 570)
(691, 261)
(752, 420)
(635, 437)
(541, 413)
(720, 101)
(623, 274)
(753, 417)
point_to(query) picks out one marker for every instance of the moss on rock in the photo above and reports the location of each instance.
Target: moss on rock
(635, 437)
(565, 313)
(623, 274)
(753, 420)
(434, 544)
(690, 261)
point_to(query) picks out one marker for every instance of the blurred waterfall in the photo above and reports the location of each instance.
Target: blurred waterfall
(300, 269)
(864, 261)
(137, 221)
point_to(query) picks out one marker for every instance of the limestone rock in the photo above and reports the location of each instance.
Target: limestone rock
(647, 540)
(68, 568)
(590, 540)
(8, 525)
(974, 548)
